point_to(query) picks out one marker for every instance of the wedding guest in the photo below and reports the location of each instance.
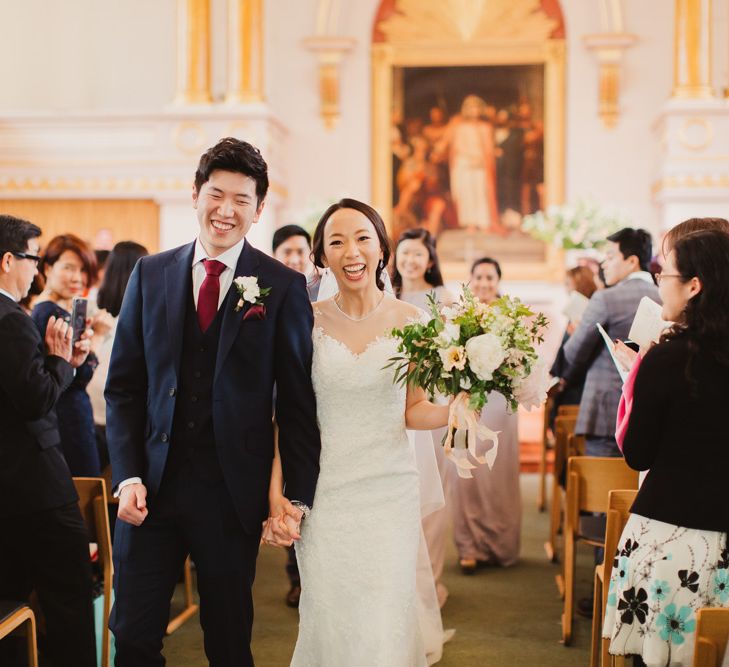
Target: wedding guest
(417, 270)
(118, 267)
(673, 556)
(292, 247)
(486, 510)
(43, 542)
(69, 267)
(417, 274)
(579, 279)
(627, 256)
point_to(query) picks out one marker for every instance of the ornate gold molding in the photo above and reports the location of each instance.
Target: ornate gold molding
(245, 51)
(329, 51)
(609, 49)
(692, 49)
(193, 52)
(467, 21)
(688, 182)
(694, 143)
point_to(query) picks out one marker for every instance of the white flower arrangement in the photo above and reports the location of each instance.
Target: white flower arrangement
(467, 351)
(573, 227)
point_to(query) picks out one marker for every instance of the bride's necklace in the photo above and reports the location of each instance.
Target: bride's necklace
(358, 319)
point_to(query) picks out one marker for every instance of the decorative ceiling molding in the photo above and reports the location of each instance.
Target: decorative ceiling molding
(467, 21)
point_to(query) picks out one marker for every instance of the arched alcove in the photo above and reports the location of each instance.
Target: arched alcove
(506, 56)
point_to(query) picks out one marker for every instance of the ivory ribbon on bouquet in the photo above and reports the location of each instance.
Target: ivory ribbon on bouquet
(464, 432)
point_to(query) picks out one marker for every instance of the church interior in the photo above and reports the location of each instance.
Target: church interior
(595, 115)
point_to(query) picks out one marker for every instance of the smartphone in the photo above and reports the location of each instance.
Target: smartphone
(632, 345)
(78, 317)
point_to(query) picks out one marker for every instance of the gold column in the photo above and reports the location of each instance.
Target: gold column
(245, 51)
(193, 52)
(692, 49)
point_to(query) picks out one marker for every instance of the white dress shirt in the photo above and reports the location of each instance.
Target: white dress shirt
(230, 259)
(8, 294)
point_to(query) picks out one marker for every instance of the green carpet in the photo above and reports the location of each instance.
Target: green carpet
(502, 617)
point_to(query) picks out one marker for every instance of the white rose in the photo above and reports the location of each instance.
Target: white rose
(531, 391)
(450, 334)
(251, 293)
(485, 355)
(246, 282)
(453, 357)
(450, 312)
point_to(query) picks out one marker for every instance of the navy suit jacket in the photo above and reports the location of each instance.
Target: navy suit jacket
(253, 355)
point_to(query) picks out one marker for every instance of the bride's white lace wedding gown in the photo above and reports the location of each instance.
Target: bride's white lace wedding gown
(359, 547)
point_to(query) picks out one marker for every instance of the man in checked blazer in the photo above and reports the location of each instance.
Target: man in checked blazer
(627, 257)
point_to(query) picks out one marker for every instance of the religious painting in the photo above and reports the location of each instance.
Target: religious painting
(468, 127)
(468, 157)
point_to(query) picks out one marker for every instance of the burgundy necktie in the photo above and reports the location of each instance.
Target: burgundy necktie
(207, 299)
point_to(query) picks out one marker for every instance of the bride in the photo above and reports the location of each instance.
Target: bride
(358, 547)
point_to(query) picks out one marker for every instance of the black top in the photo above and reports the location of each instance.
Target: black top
(33, 473)
(679, 430)
(75, 414)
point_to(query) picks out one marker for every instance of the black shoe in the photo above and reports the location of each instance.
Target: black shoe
(292, 597)
(468, 565)
(585, 606)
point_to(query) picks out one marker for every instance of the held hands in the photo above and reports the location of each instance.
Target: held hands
(283, 524)
(624, 355)
(133, 504)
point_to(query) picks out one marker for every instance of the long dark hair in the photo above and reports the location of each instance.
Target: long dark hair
(433, 276)
(373, 216)
(705, 320)
(119, 265)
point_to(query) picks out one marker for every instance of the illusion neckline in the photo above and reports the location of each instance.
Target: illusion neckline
(375, 341)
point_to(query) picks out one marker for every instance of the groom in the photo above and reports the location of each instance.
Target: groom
(189, 407)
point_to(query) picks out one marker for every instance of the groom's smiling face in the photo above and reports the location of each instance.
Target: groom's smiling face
(226, 206)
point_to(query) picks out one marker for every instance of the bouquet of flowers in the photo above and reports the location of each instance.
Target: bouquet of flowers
(467, 351)
(577, 227)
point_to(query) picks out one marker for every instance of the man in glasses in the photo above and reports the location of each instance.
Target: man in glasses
(43, 542)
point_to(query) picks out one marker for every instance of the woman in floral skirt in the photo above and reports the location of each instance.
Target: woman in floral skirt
(672, 558)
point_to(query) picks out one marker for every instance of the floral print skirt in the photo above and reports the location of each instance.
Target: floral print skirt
(662, 575)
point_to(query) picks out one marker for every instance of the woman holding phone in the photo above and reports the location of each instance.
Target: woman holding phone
(69, 268)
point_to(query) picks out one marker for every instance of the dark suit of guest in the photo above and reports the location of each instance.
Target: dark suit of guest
(43, 541)
(190, 413)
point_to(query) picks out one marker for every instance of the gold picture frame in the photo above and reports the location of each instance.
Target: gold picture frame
(449, 33)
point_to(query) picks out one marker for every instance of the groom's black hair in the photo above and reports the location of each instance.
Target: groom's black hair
(232, 154)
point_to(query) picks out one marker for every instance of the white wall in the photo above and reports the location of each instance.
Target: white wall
(111, 55)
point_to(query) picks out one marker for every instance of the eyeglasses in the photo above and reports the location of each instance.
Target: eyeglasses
(24, 255)
(661, 276)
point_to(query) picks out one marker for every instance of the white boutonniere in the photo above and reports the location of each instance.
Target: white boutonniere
(249, 291)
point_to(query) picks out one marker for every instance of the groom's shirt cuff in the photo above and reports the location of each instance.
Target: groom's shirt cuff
(126, 482)
(305, 509)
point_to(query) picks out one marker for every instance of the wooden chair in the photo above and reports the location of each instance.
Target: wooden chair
(712, 635)
(14, 615)
(619, 504)
(190, 608)
(92, 501)
(589, 481)
(564, 426)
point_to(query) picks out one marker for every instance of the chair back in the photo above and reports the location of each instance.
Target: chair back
(712, 635)
(92, 501)
(564, 427)
(591, 478)
(619, 503)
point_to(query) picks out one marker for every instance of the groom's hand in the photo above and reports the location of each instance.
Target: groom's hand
(133, 504)
(285, 526)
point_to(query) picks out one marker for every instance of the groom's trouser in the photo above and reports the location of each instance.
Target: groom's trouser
(188, 515)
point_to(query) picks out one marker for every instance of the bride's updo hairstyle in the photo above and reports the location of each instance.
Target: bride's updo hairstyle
(373, 216)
